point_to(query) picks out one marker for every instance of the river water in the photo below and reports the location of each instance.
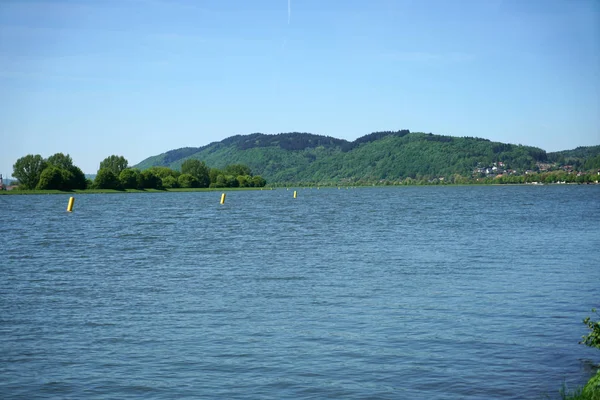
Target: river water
(388, 293)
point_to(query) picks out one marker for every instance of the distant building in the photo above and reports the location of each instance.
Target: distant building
(1, 183)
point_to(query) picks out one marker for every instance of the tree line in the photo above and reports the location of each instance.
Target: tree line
(554, 177)
(58, 172)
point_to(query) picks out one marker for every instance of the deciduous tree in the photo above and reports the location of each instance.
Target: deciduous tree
(198, 170)
(51, 178)
(72, 176)
(170, 182)
(188, 181)
(258, 181)
(114, 163)
(75, 178)
(163, 172)
(150, 180)
(60, 160)
(28, 170)
(106, 179)
(130, 178)
(237, 169)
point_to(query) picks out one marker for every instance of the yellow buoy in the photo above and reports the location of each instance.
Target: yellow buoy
(223, 198)
(70, 205)
(295, 194)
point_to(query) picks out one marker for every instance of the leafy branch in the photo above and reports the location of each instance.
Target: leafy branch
(592, 339)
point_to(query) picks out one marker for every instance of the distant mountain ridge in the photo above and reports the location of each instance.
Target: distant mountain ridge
(392, 155)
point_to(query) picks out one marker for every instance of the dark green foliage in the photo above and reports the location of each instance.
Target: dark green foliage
(163, 172)
(76, 178)
(415, 155)
(219, 182)
(150, 180)
(283, 141)
(250, 181)
(243, 180)
(198, 170)
(558, 176)
(373, 137)
(224, 181)
(231, 181)
(174, 155)
(51, 179)
(188, 181)
(583, 157)
(286, 141)
(580, 152)
(591, 391)
(114, 163)
(106, 179)
(28, 170)
(170, 182)
(72, 176)
(257, 181)
(213, 174)
(130, 178)
(237, 169)
(235, 175)
(592, 339)
(61, 161)
(391, 156)
(592, 163)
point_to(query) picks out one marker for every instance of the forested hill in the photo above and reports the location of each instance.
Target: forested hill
(392, 155)
(585, 157)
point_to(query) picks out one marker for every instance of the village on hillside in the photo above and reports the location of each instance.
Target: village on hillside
(498, 169)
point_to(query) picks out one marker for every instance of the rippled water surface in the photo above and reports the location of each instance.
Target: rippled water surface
(391, 293)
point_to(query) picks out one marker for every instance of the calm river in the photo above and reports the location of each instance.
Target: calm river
(384, 293)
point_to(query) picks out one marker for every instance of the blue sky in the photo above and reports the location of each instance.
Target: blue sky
(141, 77)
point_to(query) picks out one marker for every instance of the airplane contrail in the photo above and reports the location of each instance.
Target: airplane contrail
(289, 10)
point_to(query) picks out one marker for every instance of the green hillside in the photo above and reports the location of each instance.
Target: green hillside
(581, 153)
(303, 157)
(583, 157)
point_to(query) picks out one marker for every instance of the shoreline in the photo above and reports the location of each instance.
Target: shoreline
(16, 192)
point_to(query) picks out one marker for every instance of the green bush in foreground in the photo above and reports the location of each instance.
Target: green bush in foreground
(592, 339)
(591, 391)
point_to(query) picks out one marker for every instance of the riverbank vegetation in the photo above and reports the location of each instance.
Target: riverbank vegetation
(57, 173)
(591, 391)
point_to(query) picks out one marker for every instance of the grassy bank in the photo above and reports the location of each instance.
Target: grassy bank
(591, 391)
